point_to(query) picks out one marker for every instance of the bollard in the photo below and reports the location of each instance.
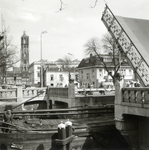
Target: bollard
(65, 136)
(62, 133)
(68, 125)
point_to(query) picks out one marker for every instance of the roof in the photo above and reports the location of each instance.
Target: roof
(12, 74)
(24, 34)
(95, 62)
(138, 32)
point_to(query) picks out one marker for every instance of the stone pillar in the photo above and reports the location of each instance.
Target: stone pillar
(48, 96)
(71, 90)
(118, 98)
(19, 93)
(128, 126)
(71, 94)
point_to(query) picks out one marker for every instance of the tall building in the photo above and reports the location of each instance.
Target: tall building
(24, 53)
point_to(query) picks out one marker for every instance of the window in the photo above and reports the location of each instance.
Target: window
(88, 76)
(123, 71)
(82, 76)
(130, 72)
(52, 84)
(24, 41)
(100, 72)
(38, 74)
(81, 71)
(92, 73)
(38, 68)
(61, 77)
(51, 77)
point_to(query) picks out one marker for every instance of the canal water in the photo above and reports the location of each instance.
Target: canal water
(98, 141)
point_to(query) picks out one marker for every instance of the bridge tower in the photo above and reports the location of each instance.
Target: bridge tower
(24, 66)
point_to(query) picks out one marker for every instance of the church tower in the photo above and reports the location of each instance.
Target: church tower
(24, 66)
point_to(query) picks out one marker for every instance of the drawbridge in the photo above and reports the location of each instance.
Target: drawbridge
(132, 36)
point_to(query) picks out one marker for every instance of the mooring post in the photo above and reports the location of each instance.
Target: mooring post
(65, 136)
(62, 134)
(68, 125)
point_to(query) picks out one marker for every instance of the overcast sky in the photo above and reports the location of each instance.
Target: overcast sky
(67, 30)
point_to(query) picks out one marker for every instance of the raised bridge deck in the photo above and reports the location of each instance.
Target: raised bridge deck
(132, 104)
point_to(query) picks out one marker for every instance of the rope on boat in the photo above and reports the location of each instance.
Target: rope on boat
(24, 129)
(39, 93)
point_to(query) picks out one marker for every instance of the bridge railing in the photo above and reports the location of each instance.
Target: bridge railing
(30, 92)
(8, 94)
(58, 92)
(135, 95)
(19, 93)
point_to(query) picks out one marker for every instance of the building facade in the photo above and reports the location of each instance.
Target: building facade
(92, 72)
(54, 73)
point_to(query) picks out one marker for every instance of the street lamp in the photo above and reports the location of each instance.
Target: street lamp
(73, 64)
(41, 73)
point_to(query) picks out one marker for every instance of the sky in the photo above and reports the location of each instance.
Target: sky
(67, 30)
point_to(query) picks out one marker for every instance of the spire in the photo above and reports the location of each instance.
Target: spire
(24, 33)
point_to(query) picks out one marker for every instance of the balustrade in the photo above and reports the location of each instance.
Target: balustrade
(32, 92)
(8, 94)
(135, 95)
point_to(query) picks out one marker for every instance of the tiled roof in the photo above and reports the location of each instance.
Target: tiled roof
(12, 73)
(95, 62)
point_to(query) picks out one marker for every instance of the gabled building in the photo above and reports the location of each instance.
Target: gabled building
(92, 72)
(58, 77)
(54, 73)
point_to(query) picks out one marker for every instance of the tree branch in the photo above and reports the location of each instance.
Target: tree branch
(61, 6)
(94, 4)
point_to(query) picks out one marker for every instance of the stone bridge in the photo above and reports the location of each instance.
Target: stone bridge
(50, 98)
(18, 96)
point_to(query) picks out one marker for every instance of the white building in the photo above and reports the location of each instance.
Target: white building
(92, 72)
(55, 74)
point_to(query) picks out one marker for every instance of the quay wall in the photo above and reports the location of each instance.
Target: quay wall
(93, 101)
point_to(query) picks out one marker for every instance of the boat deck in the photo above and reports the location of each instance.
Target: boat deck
(52, 124)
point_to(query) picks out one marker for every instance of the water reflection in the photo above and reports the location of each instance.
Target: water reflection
(40, 147)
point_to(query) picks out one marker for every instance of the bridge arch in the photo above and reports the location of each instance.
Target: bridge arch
(3, 147)
(60, 104)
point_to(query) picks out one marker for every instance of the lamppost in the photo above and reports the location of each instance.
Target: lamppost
(14, 75)
(73, 64)
(41, 73)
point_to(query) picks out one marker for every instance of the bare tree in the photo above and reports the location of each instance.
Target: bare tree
(94, 4)
(62, 4)
(68, 64)
(95, 46)
(8, 55)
